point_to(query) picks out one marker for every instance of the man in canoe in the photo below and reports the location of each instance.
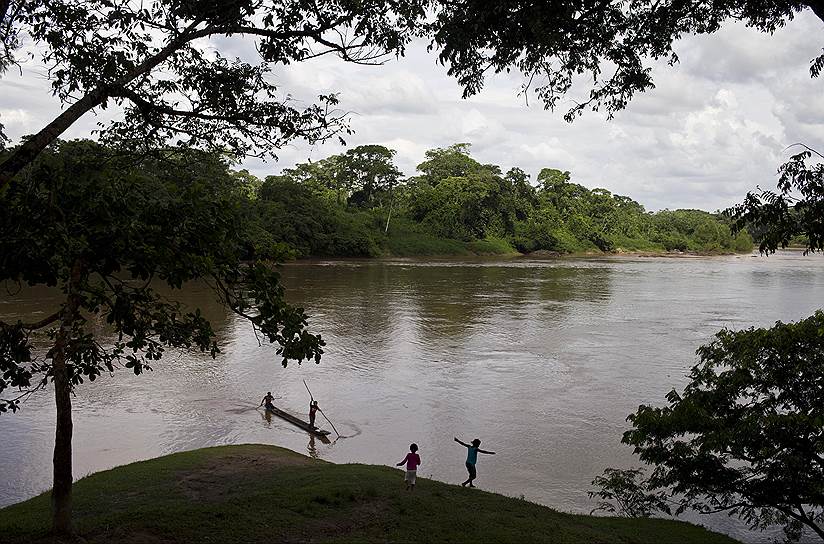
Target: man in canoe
(313, 409)
(471, 458)
(267, 400)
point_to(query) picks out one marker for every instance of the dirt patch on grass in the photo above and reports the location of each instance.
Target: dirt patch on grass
(364, 518)
(223, 474)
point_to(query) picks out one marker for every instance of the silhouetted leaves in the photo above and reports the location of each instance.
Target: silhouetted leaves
(794, 214)
(627, 493)
(746, 436)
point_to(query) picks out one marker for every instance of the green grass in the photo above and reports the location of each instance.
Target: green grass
(409, 239)
(424, 245)
(256, 493)
(492, 246)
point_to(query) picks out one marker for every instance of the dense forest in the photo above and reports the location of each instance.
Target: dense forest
(358, 204)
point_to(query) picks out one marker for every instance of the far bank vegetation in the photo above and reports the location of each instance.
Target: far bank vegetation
(358, 204)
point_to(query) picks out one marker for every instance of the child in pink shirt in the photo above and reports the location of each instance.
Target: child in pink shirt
(412, 461)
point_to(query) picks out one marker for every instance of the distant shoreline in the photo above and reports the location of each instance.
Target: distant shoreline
(536, 255)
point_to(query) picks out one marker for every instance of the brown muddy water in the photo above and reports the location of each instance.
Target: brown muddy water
(540, 359)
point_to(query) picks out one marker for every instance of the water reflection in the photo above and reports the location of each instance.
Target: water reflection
(541, 359)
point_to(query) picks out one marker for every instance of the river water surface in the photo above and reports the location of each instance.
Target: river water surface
(540, 359)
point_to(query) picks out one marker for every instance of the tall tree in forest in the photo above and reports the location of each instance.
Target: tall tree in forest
(452, 161)
(371, 172)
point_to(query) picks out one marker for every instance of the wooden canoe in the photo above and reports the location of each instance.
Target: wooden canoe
(296, 421)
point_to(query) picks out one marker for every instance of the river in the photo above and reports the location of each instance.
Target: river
(540, 359)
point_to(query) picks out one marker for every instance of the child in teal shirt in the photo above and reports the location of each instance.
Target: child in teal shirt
(472, 452)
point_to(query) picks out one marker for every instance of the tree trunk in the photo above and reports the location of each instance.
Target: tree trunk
(818, 530)
(28, 150)
(388, 217)
(62, 460)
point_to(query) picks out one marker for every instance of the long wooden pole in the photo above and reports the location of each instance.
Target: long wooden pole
(330, 423)
(319, 410)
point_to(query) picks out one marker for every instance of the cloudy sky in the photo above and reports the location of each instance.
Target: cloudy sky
(716, 126)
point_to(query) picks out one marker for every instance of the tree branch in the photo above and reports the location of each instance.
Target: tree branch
(26, 152)
(43, 322)
(817, 6)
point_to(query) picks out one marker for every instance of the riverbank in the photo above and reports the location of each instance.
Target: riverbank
(411, 241)
(259, 493)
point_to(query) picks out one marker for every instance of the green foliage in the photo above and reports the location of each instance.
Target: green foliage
(793, 215)
(338, 207)
(297, 215)
(451, 162)
(626, 493)
(248, 184)
(407, 238)
(491, 246)
(696, 230)
(745, 435)
(370, 175)
(536, 234)
(457, 207)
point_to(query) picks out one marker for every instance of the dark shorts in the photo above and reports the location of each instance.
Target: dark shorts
(471, 469)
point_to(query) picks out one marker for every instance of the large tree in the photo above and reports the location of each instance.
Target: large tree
(372, 173)
(746, 435)
(106, 233)
(153, 59)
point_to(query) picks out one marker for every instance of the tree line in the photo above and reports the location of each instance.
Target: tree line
(358, 204)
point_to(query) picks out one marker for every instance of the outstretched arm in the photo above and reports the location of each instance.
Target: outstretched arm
(487, 452)
(462, 443)
(404, 460)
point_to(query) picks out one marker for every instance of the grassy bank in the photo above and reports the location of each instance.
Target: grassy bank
(257, 493)
(406, 239)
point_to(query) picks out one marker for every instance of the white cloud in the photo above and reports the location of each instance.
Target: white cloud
(551, 153)
(15, 118)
